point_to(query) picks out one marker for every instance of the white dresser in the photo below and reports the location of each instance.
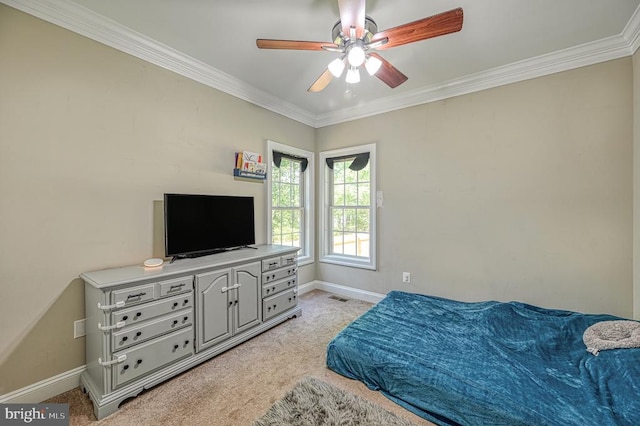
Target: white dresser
(145, 325)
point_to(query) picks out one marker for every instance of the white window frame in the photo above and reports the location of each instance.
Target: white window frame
(306, 254)
(325, 217)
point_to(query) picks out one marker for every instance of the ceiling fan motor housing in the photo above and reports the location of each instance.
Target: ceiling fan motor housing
(370, 28)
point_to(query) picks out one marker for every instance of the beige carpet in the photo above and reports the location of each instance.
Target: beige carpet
(240, 385)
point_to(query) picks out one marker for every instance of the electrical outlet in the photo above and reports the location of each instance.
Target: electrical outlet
(78, 328)
(406, 277)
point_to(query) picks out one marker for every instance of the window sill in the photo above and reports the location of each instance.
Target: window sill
(347, 261)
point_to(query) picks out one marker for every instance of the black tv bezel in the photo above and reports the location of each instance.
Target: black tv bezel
(212, 250)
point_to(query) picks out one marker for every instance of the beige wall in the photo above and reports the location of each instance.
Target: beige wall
(89, 138)
(636, 185)
(522, 192)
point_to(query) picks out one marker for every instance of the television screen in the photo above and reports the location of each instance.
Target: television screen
(203, 224)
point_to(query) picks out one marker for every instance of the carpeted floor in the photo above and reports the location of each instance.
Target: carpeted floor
(240, 385)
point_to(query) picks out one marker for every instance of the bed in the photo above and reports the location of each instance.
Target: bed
(488, 363)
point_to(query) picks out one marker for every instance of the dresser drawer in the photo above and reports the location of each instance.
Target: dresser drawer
(277, 287)
(153, 355)
(134, 295)
(269, 264)
(288, 260)
(273, 305)
(133, 335)
(138, 314)
(270, 277)
(176, 286)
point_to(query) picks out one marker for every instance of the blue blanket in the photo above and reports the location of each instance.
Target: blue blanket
(488, 363)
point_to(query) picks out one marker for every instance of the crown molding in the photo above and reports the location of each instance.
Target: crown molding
(83, 21)
(603, 50)
(631, 32)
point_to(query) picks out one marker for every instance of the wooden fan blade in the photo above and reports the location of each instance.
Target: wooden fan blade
(388, 73)
(352, 15)
(422, 29)
(292, 44)
(322, 82)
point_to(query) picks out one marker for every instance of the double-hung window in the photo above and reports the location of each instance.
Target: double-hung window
(348, 214)
(290, 198)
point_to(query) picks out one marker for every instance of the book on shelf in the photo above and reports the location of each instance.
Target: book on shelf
(250, 162)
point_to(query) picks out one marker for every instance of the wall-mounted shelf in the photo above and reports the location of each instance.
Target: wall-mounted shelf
(249, 175)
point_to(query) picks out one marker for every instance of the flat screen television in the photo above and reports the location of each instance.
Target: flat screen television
(198, 225)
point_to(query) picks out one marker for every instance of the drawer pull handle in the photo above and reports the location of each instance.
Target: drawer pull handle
(186, 302)
(117, 305)
(125, 338)
(186, 342)
(233, 287)
(125, 367)
(175, 322)
(175, 347)
(134, 296)
(139, 362)
(138, 314)
(119, 324)
(185, 319)
(139, 333)
(121, 358)
(176, 287)
(175, 304)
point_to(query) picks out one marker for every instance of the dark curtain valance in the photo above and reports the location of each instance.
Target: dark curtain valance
(359, 162)
(278, 156)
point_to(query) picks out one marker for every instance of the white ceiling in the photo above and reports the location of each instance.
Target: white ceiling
(213, 41)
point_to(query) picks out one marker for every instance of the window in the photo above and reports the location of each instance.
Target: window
(348, 215)
(290, 198)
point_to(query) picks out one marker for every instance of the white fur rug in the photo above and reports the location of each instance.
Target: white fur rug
(313, 402)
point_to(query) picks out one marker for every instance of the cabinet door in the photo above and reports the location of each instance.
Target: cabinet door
(248, 310)
(212, 308)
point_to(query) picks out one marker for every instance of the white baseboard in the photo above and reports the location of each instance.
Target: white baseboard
(353, 293)
(66, 381)
(45, 389)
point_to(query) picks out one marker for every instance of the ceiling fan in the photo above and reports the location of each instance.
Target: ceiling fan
(356, 37)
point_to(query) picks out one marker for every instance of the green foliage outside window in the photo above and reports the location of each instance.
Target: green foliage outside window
(287, 203)
(350, 210)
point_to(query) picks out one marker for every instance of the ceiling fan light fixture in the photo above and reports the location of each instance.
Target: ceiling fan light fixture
(353, 75)
(372, 65)
(336, 67)
(356, 56)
